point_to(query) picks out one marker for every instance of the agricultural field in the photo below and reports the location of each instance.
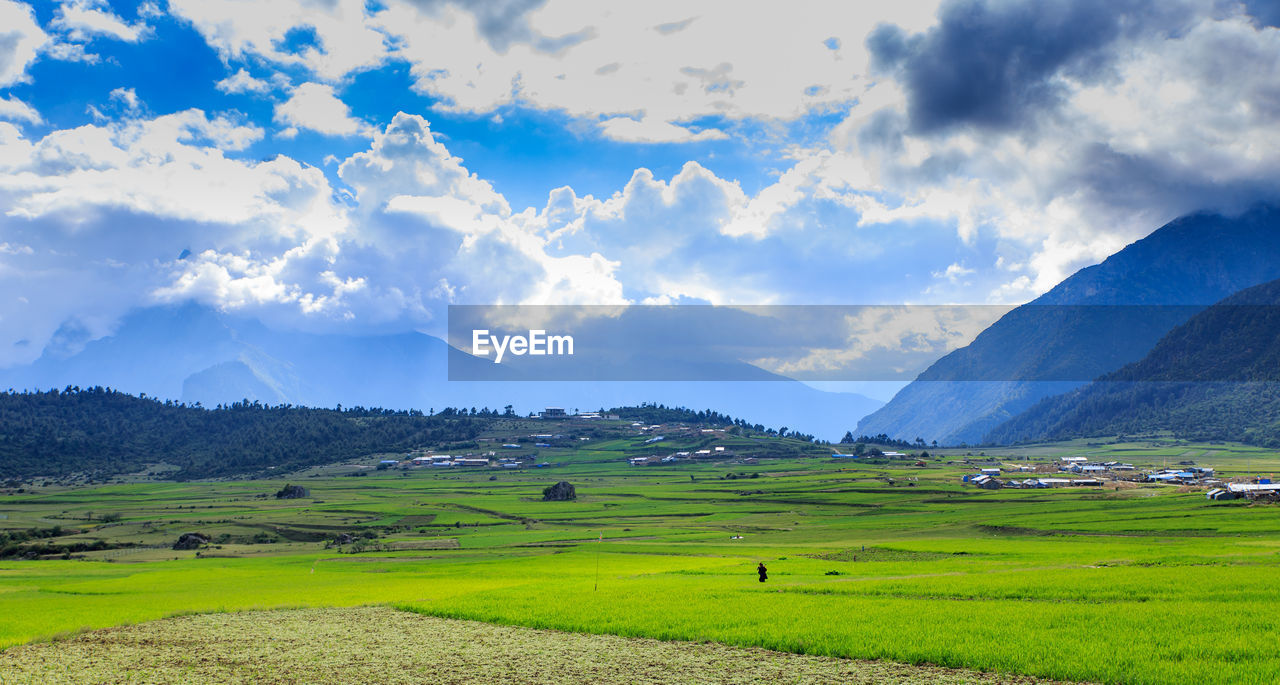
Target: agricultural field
(319, 646)
(888, 561)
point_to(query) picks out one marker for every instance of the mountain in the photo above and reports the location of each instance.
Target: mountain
(1094, 322)
(195, 354)
(1211, 378)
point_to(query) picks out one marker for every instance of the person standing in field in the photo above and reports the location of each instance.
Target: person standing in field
(764, 572)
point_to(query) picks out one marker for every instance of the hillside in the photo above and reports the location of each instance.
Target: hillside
(1211, 378)
(99, 432)
(1074, 333)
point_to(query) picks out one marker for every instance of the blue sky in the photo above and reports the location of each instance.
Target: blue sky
(358, 166)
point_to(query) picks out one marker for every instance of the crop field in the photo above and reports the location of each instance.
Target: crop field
(319, 646)
(866, 561)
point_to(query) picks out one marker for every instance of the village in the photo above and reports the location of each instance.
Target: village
(1100, 473)
(698, 444)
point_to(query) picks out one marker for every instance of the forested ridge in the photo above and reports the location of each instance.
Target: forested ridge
(100, 432)
(1216, 377)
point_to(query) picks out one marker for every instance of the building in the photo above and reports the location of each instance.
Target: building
(553, 413)
(986, 482)
(1054, 482)
(1254, 490)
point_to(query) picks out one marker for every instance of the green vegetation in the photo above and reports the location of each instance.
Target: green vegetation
(1211, 378)
(95, 434)
(885, 560)
(99, 433)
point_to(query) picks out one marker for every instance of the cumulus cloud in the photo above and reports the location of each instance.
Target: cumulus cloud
(1077, 128)
(645, 70)
(13, 109)
(647, 130)
(315, 106)
(243, 82)
(421, 231)
(21, 39)
(344, 41)
(623, 66)
(83, 20)
(1072, 152)
(173, 166)
(96, 216)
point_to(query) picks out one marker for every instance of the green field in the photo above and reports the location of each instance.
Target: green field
(868, 561)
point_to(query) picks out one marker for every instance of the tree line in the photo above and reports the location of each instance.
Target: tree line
(98, 432)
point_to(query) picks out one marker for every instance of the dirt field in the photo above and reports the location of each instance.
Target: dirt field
(383, 645)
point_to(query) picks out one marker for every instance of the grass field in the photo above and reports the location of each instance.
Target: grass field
(866, 561)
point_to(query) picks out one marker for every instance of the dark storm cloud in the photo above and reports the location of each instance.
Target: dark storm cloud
(1135, 182)
(993, 64)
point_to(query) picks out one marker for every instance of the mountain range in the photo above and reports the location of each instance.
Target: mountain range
(1211, 378)
(195, 354)
(1096, 321)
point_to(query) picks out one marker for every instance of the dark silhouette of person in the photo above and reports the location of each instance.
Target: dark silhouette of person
(764, 572)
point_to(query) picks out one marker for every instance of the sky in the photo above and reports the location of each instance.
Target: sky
(358, 166)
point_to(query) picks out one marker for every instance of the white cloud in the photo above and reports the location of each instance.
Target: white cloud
(618, 65)
(127, 98)
(648, 130)
(14, 109)
(314, 106)
(1177, 126)
(71, 52)
(243, 82)
(346, 42)
(20, 41)
(82, 20)
(954, 272)
(171, 166)
(117, 203)
(911, 337)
